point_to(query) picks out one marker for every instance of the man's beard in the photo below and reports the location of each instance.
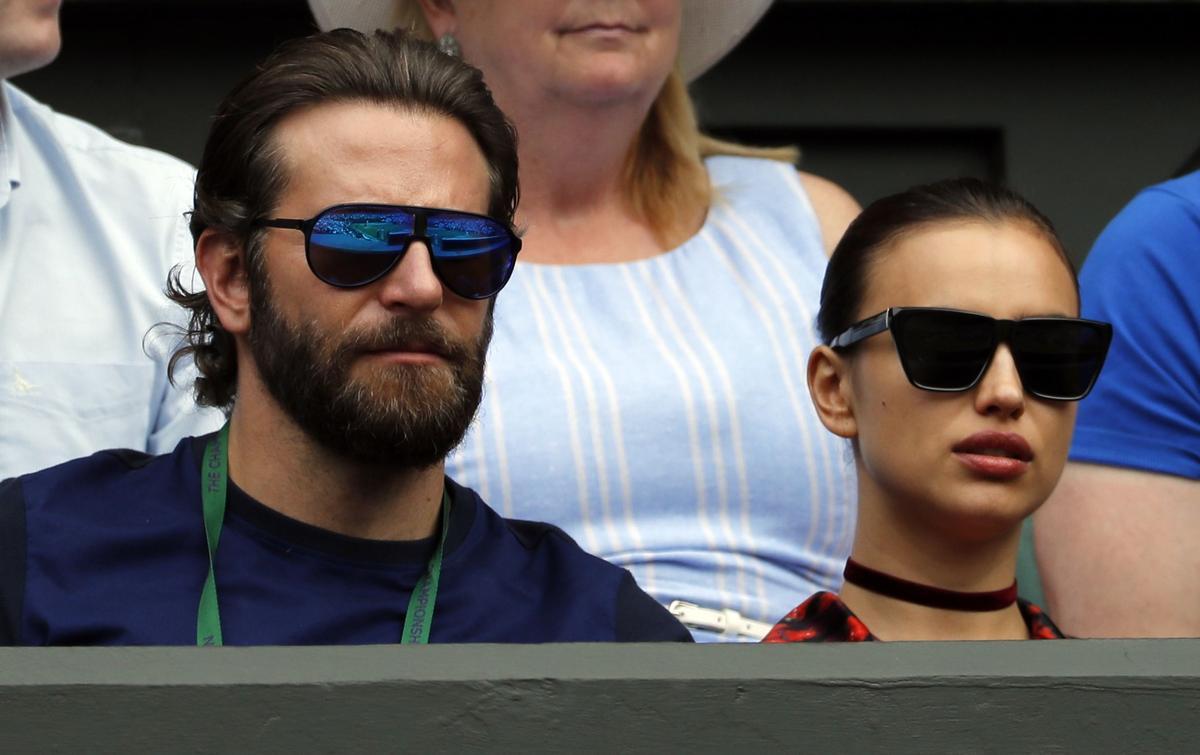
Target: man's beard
(409, 416)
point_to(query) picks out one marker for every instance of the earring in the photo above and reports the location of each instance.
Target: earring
(448, 44)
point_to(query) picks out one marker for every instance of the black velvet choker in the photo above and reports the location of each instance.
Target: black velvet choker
(927, 595)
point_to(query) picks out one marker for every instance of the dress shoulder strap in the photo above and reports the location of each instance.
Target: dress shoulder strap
(767, 194)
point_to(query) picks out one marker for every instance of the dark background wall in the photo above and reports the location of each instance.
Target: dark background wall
(1076, 104)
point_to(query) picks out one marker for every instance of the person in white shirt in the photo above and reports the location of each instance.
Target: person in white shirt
(89, 228)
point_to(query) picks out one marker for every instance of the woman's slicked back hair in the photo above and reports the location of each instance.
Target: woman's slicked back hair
(887, 220)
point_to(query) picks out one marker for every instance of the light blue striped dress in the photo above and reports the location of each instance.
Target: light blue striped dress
(657, 410)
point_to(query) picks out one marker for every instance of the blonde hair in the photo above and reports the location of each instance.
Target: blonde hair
(664, 171)
(664, 175)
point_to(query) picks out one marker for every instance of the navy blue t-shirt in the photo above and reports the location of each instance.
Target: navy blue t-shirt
(110, 550)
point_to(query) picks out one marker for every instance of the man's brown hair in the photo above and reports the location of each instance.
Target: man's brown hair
(241, 173)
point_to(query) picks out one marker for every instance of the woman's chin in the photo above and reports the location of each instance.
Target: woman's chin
(609, 83)
(982, 518)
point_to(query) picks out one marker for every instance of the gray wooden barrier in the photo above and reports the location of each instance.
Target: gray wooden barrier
(1067, 696)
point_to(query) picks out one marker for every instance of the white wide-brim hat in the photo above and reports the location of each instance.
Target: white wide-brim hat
(710, 28)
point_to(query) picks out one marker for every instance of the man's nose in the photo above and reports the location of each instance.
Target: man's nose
(412, 284)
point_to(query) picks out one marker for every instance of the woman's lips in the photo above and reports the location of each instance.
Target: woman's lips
(601, 29)
(995, 455)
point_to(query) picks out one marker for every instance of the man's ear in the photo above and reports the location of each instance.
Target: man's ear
(221, 262)
(831, 392)
(440, 15)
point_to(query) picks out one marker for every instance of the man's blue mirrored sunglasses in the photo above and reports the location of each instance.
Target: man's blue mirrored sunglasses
(351, 245)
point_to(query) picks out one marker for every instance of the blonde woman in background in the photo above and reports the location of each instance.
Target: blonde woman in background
(646, 380)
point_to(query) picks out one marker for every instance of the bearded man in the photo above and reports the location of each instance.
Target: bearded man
(352, 225)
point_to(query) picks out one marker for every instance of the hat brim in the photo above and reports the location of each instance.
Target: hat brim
(710, 28)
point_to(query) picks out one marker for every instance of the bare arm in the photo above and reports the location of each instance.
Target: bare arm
(1119, 553)
(834, 206)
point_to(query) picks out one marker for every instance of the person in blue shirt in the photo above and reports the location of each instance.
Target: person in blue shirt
(352, 224)
(1116, 543)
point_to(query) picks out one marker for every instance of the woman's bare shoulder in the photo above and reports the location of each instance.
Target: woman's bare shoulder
(834, 206)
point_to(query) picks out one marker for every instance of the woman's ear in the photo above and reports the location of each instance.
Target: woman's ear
(222, 264)
(831, 392)
(440, 15)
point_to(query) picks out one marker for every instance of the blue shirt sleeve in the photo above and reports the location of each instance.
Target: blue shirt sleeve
(1143, 276)
(12, 561)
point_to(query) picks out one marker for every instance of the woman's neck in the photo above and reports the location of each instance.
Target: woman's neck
(892, 619)
(895, 545)
(575, 206)
(573, 158)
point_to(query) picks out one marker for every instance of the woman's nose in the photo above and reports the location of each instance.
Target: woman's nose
(999, 391)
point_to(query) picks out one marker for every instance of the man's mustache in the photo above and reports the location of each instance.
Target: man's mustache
(406, 334)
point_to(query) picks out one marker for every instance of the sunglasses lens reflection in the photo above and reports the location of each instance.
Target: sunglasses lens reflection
(352, 247)
(472, 255)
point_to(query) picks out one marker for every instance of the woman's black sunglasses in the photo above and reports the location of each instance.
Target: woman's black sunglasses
(351, 245)
(1058, 358)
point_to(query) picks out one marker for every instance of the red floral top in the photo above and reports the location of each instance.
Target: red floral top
(825, 618)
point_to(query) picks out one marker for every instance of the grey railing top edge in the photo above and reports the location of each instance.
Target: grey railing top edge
(942, 662)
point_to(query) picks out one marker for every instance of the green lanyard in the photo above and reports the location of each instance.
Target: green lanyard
(214, 481)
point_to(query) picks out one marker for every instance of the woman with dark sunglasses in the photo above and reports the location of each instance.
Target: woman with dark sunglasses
(952, 360)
